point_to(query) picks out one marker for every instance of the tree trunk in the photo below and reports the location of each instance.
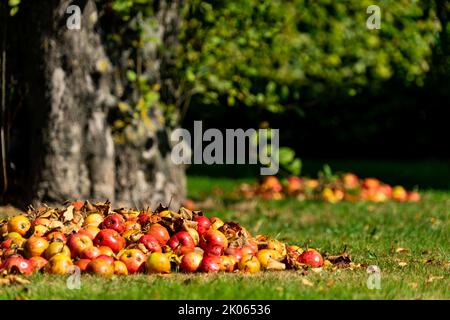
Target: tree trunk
(60, 144)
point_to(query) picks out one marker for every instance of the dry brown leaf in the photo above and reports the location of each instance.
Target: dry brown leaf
(433, 278)
(68, 214)
(402, 264)
(308, 283)
(400, 250)
(317, 270)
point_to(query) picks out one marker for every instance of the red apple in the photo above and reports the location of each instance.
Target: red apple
(213, 237)
(101, 267)
(210, 264)
(191, 261)
(90, 253)
(82, 264)
(181, 243)
(213, 250)
(311, 257)
(35, 246)
(56, 236)
(110, 238)
(294, 184)
(235, 252)
(413, 196)
(350, 180)
(38, 263)
(16, 263)
(78, 242)
(144, 218)
(159, 233)
(203, 224)
(150, 243)
(107, 258)
(115, 222)
(134, 259)
(107, 251)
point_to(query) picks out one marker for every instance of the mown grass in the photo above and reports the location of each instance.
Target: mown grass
(371, 233)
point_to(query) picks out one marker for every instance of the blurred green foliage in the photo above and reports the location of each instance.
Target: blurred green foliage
(278, 54)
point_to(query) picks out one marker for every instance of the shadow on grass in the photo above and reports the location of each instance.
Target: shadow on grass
(423, 174)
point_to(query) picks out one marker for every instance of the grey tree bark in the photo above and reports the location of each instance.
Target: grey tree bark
(60, 145)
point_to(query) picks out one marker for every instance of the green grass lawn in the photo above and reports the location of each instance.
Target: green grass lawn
(371, 233)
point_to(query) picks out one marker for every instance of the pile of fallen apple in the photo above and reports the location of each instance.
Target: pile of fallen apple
(102, 241)
(346, 187)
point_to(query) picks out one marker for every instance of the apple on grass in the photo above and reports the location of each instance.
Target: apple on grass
(101, 267)
(134, 260)
(158, 262)
(249, 264)
(191, 261)
(82, 264)
(17, 263)
(235, 252)
(38, 263)
(120, 268)
(211, 264)
(59, 264)
(311, 257)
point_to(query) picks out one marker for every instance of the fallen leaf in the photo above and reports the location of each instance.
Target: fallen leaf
(400, 250)
(317, 270)
(433, 278)
(308, 283)
(68, 214)
(402, 264)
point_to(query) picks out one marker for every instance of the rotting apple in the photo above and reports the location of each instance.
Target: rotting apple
(17, 263)
(150, 243)
(214, 250)
(195, 235)
(270, 259)
(115, 222)
(228, 263)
